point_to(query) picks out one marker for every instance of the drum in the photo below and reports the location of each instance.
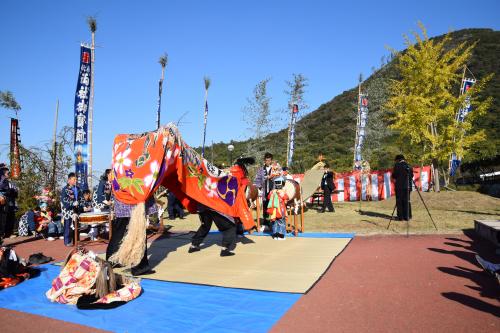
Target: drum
(94, 217)
(291, 189)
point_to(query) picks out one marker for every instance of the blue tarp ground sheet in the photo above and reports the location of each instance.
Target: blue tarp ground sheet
(162, 307)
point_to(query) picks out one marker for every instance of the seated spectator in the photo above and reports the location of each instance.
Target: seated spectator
(489, 267)
(86, 206)
(54, 227)
(27, 222)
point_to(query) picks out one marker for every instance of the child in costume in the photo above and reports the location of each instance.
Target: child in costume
(276, 208)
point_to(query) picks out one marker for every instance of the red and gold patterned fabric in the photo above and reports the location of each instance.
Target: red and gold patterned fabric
(143, 162)
(76, 279)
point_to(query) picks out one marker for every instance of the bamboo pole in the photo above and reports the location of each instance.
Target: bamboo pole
(289, 130)
(163, 62)
(357, 124)
(206, 82)
(54, 147)
(91, 111)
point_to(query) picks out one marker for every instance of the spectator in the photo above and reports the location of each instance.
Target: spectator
(328, 186)
(9, 191)
(489, 267)
(102, 196)
(264, 181)
(55, 227)
(69, 206)
(32, 217)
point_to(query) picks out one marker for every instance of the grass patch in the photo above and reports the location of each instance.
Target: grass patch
(452, 212)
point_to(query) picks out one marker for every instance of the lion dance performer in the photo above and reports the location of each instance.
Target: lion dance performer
(143, 162)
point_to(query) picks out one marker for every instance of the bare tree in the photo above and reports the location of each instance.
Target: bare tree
(257, 115)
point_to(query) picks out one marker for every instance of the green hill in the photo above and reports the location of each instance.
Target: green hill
(331, 127)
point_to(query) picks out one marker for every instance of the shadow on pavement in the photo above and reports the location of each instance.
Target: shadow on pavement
(483, 282)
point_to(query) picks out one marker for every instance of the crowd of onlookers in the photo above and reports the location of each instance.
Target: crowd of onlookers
(47, 220)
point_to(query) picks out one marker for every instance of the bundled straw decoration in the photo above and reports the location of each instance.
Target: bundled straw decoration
(134, 243)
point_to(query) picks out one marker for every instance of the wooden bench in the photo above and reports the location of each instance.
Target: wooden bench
(488, 229)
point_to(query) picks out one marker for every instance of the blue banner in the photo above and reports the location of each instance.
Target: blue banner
(462, 113)
(295, 110)
(466, 85)
(361, 130)
(82, 97)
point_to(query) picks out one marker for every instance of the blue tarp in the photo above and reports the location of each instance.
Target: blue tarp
(162, 307)
(311, 234)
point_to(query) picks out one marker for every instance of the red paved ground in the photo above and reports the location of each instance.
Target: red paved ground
(399, 284)
(378, 284)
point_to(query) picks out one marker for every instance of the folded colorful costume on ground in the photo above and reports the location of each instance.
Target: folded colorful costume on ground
(12, 272)
(80, 276)
(143, 162)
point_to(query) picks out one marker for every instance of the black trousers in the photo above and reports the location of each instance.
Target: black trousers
(403, 205)
(224, 225)
(119, 226)
(327, 200)
(3, 221)
(11, 223)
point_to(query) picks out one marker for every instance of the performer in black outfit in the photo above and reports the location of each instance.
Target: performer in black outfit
(225, 224)
(327, 185)
(403, 176)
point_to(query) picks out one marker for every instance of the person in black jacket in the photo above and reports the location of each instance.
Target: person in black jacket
(9, 191)
(403, 176)
(327, 186)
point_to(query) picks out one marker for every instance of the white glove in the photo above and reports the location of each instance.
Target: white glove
(75, 204)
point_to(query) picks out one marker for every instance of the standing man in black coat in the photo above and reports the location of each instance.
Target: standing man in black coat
(403, 176)
(327, 186)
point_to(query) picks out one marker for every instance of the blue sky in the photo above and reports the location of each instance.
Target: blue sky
(235, 43)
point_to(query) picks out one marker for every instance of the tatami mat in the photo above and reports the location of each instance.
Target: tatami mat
(260, 263)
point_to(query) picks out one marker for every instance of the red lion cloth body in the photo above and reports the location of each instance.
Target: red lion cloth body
(143, 162)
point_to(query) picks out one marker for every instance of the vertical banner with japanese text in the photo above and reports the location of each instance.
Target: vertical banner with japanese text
(295, 110)
(462, 113)
(360, 137)
(205, 117)
(15, 161)
(81, 116)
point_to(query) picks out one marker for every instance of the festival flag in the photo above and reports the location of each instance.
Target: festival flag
(462, 113)
(361, 129)
(81, 116)
(205, 116)
(15, 161)
(295, 110)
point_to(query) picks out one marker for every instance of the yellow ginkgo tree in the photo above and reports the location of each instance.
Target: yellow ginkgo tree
(424, 101)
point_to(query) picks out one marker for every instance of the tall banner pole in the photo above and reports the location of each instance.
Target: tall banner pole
(15, 163)
(465, 86)
(54, 150)
(360, 129)
(207, 82)
(291, 137)
(357, 126)
(163, 62)
(82, 123)
(160, 88)
(91, 110)
(288, 139)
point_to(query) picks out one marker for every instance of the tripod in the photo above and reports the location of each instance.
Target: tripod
(408, 222)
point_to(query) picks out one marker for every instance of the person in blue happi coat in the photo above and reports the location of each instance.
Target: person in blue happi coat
(69, 206)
